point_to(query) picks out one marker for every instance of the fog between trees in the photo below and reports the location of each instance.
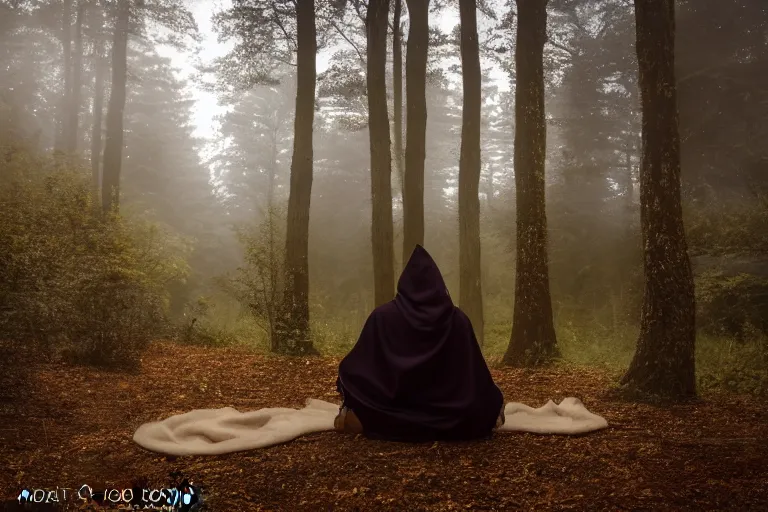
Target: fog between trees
(287, 226)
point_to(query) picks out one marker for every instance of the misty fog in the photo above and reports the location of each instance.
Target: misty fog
(202, 191)
(203, 202)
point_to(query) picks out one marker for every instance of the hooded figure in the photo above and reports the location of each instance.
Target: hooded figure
(416, 373)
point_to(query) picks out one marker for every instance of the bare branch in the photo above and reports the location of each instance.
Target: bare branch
(351, 43)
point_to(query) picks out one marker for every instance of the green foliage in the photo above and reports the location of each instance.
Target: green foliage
(200, 326)
(258, 283)
(732, 306)
(727, 365)
(728, 228)
(595, 344)
(73, 279)
(723, 363)
(333, 335)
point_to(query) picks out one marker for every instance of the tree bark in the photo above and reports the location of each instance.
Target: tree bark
(664, 362)
(416, 132)
(60, 143)
(382, 229)
(72, 134)
(397, 88)
(470, 283)
(533, 339)
(98, 101)
(293, 331)
(113, 145)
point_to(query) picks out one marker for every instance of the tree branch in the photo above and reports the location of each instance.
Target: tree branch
(559, 46)
(351, 43)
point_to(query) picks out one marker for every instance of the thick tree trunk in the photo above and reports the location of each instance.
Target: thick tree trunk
(113, 145)
(533, 339)
(397, 88)
(470, 287)
(72, 132)
(416, 132)
(382, 229)
(60, 143)
(664, 363)
(294, 333)
(98, 101)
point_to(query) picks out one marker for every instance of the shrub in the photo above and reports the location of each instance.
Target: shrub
(199, 326)
(257, 284)
(732, 306)
(728, 228)
(727, 365)
(73, 279)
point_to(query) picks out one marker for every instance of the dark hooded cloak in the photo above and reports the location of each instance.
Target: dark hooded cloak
(416, 373)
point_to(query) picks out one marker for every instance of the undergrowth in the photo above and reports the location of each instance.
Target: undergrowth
(722, 364)
(77, 283)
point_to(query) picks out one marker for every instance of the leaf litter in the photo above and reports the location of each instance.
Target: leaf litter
(65, 426)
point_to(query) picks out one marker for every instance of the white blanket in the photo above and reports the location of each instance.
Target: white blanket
(226, 430)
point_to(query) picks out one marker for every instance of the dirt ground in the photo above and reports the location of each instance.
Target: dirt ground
(64, 426)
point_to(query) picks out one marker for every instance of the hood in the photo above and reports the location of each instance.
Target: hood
(422, 296)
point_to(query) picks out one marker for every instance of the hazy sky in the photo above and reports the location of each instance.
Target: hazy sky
(207, 106)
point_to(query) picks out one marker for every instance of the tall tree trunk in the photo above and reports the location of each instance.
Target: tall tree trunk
(397, 88)
(470, 285)
(533, 338)
(113, 146)
(98, 99)
(294, 334)
(382, 229)
(664, 361)
(60, 143)
(72, 135)
(416, 132)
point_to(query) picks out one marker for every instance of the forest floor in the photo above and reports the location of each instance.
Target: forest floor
(65, 426)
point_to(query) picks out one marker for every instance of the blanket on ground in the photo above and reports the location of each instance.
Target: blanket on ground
(226, 430)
